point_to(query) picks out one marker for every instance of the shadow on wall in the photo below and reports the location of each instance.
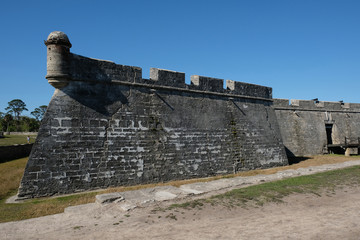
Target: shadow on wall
(102, 98)
(289, 153)
(294, 159)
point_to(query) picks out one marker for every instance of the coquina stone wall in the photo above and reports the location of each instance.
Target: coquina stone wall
(303, 125)
(107, 126)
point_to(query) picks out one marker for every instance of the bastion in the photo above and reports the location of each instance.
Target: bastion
(107, 126)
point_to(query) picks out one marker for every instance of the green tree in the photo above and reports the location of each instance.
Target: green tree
(5, 122)
(16, 107)
(39, 112)
(29, 124)
(1, 121)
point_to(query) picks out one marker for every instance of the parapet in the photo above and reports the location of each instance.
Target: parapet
(64, 67)
(277, 102)
(95, 70)
(313, 105)
(167, 77)
(207, 83)
(248, 89)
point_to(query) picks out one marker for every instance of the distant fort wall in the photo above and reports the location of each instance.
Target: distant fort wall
(107, 126)
(309, 127)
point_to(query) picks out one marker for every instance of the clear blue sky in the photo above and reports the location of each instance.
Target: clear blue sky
(303, 49)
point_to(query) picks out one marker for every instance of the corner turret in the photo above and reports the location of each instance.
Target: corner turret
(58, 59)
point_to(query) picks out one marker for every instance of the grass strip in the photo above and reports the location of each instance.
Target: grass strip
(10, 175)
(9, 140)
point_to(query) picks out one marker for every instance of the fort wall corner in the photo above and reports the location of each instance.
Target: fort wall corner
(107, 126)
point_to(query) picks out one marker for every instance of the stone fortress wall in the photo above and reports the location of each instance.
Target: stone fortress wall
(308, 127)
(107, 126)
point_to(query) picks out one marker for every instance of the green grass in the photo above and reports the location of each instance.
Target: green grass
(8, 140)
(10, 176)
(187, 205)
(258, 195)
(41, 207)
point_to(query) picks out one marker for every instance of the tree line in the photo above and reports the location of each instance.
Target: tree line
(13, 121)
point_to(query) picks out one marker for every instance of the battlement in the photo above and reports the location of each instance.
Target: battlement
(64, 67)
(167, 77)
(242, 88)
(295, 104)
(207, 83)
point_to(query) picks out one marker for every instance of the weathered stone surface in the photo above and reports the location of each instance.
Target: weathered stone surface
(106, 126)
(166, 77)
(303, 125)
(109, 197)
(247, 89)
(136, 198)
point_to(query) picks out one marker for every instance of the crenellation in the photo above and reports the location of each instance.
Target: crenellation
(65, 67)
(168, 77)
(207, 83)
(246, 89)
(93, 70)
(355, 106)
(109, 72)
(281, 102)
(319, 104)
(315, 105)
(333, 105)
(294, 102)
(345, 105)
(302, 103)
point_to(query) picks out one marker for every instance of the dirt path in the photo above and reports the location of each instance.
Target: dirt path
(300, 217)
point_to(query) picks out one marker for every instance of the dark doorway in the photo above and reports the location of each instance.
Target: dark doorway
(328, 128)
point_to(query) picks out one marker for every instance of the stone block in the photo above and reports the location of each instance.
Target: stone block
(109, 197)
(167, 77)
(208, 83)
(247, 89)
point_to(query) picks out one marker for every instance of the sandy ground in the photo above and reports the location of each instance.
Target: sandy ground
(332, 215)
(301, 216)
